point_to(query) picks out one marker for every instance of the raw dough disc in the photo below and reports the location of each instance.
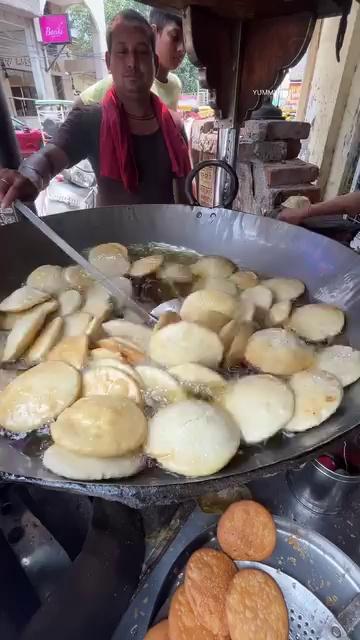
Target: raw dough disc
(110, 381)
(111, 360)
(101, 426)
(213, 320)
(184, 342)
(219, 284)
(168, 317)
(342, 362)
(110, 258)
(71, 465)
(25, 330)
(76, 324)
(317, 322)
(48, 278)
(192, 438)
(38, 395)
(97, 300)
(318, 395)
(77, 278)
(145, 266)
(69, 302)
(204, 300)
(230, 330)
(278, 314)
(244, 279)
(175, 272)
(234, 356)
(261, 405)
(259, 295)
(198, 379)
(278, 351)
(159, 385)
(284, 288)
(137, 333)
(213, 267)
(44, 342)
(73, 350)
(23, 299)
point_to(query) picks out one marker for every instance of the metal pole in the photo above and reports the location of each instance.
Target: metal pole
(9, 150)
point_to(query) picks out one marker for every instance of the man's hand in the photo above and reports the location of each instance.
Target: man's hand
(13, 185)
(294, 216)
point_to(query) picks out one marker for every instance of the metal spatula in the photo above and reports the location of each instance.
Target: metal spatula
(309, 618)
(85, 264)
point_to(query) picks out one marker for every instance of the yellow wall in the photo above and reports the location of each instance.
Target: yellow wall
(332, 103)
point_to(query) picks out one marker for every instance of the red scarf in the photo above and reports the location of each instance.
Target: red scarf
(117, 159)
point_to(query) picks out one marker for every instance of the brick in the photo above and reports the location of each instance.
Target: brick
(245, 200)
(279, 194)
(293, 149)
(290, 172)
(255, 129)
(250, 151)
(261, 130)
(288, 130)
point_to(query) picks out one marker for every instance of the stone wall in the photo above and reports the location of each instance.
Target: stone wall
(268, 168)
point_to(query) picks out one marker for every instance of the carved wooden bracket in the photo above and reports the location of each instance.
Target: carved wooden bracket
(240, 60)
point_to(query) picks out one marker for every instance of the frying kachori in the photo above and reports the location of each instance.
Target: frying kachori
(278, 351)
(184, 342)
(192, 437)
(101, 426)
(318, 395)
(38, 396)
(317, 322)
(231, 322)
(343, 362)
(260, 405)
(71, 465)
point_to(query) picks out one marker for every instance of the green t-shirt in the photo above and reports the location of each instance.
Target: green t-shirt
(169, 92)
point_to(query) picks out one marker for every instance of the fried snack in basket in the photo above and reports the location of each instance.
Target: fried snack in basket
(159, 632)
(208, 576)
(256, 608)
(183, 624)
(246, 531)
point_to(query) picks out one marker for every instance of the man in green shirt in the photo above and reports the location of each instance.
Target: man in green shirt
(170, 50)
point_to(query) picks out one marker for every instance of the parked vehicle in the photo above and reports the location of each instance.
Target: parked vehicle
(29, 140)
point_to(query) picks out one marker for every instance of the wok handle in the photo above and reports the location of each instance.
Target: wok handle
(221, 164)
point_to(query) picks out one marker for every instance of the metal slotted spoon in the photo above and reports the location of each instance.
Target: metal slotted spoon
(309, 618)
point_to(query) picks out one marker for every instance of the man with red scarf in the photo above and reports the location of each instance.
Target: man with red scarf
(135, 144)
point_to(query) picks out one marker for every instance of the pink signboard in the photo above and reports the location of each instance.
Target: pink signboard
(55, 29)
